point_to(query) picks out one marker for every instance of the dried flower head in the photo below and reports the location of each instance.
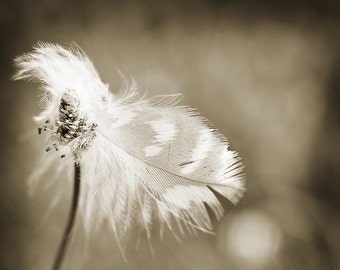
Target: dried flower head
(70, 128)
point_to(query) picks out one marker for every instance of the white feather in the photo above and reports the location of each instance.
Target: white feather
(141, 158)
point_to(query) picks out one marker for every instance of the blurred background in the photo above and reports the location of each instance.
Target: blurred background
(266, 74)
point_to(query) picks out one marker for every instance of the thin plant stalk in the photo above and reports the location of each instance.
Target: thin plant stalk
(71, 219)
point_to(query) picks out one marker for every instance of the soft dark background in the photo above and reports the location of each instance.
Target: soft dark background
(266, 73)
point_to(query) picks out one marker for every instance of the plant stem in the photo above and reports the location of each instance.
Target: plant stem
(68, 229)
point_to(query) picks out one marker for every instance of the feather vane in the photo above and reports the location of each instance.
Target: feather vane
(141, 158)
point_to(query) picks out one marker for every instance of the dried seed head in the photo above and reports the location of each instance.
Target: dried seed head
(71, 129)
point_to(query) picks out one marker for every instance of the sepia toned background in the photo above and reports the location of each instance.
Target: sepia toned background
(267, 76)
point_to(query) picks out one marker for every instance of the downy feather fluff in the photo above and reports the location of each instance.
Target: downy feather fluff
(141, 159)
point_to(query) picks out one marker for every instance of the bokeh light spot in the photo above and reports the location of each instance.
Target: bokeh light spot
(252, 238)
